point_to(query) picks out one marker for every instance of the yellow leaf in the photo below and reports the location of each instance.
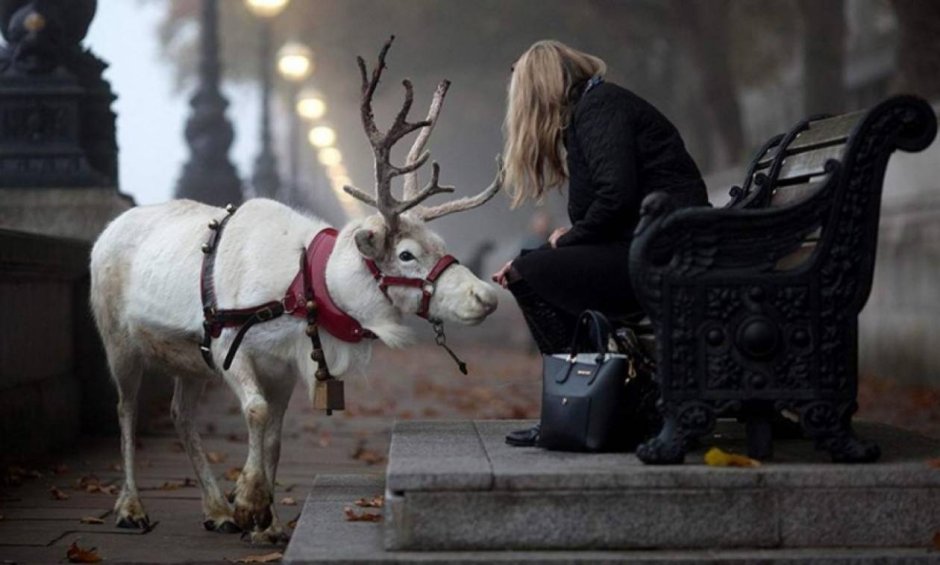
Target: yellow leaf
(715, 457)
(288, 501)
(91, 520)
(353, 516)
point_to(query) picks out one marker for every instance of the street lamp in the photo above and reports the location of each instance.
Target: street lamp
(209, 176)
(321, 136)
(295, 63)
(330, 156)
(310, 104)
(265, 179)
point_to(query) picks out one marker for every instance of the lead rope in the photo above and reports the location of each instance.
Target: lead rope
(441, 339)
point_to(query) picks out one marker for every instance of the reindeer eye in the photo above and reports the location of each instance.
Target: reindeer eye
(406, 256)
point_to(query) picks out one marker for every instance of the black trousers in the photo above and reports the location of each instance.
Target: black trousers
(551, 327)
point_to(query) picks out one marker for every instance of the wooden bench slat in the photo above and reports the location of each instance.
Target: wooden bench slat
(791, 194)
(826, 132)
(809, 163)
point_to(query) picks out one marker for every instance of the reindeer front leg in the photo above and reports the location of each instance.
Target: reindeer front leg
(253, 495)
(279, 396)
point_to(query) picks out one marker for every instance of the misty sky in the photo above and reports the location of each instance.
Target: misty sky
(150, 115)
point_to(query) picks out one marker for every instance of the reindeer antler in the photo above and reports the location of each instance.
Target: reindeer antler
(384, 201)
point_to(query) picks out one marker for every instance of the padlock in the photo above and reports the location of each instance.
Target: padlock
(328, 395)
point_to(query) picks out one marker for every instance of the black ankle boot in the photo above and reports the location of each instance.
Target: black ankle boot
(524, 438)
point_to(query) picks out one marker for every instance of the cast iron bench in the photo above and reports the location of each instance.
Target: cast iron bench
(755, 305)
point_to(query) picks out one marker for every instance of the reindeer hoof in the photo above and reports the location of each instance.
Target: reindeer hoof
(129, 522)
(270, 536)
(222, 526)
(253, 519)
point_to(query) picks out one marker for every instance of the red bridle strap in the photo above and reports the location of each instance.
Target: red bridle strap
(427, 285)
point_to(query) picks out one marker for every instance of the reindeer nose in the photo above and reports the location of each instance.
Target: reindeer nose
(487, 300)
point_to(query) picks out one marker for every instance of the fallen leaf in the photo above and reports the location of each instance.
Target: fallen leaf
(233, 474)
(266, 558)
(91, 520)
(717, 458)
(367, 456)
(374, 502)
(216, 456)
(77, 554)
(353, 516)
(936, 539)
(935, 463)
(57, 494)
(293, 523)
(288, 501)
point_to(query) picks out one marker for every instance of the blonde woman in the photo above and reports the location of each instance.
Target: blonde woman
(565, 123)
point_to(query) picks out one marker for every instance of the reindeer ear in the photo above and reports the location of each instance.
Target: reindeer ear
(371, 242)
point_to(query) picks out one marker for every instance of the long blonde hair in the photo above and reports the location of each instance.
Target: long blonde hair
(537, 114)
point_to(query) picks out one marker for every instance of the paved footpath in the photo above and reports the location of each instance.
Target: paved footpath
(38, 523)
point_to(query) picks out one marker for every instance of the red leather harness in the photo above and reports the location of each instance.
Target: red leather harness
(311, 279)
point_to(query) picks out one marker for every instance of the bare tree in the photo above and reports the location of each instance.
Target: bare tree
(823, 56)
(918, 47)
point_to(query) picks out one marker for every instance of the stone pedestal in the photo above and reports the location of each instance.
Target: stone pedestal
(77, 213)
(456, 493)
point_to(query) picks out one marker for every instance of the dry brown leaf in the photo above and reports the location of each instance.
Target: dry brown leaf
(173, 485)
(77, 554)
(233, 473)
(935, 463)
(353, 516)
(57, 494)
(288, 501)
(374, 502)
(216, 456)
(936, 539)
(273, 557)
(293, 523)
(91, 520)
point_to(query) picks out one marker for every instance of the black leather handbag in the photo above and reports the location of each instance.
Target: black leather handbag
(594, 399)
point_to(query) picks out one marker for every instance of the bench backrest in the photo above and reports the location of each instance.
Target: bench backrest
(821, 159)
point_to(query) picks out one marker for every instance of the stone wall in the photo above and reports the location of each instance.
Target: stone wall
(50, 356)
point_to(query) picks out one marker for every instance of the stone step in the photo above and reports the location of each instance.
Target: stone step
(323, 535)
(458, 486)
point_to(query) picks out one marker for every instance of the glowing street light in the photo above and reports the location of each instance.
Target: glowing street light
(330, 156)
(295, 61)
(310, 104)
(322, 136)
(266, 8)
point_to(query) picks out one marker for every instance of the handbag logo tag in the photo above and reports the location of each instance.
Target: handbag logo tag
(584, 372)
(564, 401)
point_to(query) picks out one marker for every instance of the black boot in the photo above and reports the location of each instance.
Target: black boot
(524, 438)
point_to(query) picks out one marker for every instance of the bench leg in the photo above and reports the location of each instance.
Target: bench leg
(683, 423)
(830, 425)
(760, 441)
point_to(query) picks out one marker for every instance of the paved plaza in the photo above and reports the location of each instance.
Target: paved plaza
(48, 505)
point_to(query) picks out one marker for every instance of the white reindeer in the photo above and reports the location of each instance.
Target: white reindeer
(145, 270)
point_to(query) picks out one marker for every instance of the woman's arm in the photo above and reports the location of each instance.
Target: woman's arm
(604, 133)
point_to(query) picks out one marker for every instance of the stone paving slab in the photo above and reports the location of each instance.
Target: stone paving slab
(534, 499)
(323, 536)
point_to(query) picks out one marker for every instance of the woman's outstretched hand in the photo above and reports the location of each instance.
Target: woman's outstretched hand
(499, 277)
(553, 239)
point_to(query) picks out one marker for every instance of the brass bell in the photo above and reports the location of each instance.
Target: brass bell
(323, 375)
(317, 355)
(311, 306)
(230, 208)
(311, 330)
(206, 248)
(328, 395)
(214, 225)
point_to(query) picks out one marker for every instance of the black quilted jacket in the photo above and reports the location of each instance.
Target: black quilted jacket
(621, 148)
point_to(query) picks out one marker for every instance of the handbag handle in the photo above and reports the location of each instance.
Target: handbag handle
(591, 323)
